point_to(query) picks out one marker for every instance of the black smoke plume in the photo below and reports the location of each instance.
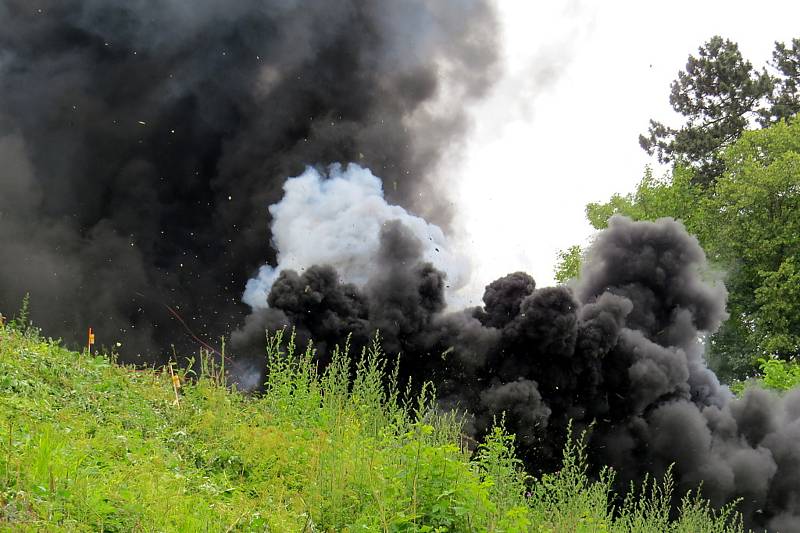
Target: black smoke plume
(141, 142)
(620, 355)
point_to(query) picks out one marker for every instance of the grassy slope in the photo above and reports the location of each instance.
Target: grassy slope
(89, 445)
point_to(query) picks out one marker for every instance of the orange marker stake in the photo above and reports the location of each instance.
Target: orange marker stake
(91, 340)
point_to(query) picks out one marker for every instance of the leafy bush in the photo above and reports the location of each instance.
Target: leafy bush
(779, 375)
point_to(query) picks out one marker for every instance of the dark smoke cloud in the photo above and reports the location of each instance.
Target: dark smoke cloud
(142, 141)
(621, 355)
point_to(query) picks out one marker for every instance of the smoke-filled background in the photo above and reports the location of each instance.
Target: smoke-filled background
(145, 152)
(142, 142)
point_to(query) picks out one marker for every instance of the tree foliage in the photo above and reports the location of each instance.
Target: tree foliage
(756, 209)
(721, 94)
(569, 264)
(785, 98)
(748, 221)
(736, 188)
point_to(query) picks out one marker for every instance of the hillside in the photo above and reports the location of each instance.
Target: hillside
(88, 445)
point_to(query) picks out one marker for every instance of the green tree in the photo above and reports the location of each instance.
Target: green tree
(569, 264)
(755, 214)
(719, 93)
(785, 99)
(748, 221)
(654, 197)
(778, 314)
(733, 188)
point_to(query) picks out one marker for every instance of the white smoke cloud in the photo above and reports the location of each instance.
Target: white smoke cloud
(335, 219)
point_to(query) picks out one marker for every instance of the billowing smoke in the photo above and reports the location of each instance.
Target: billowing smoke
(620, 355)
(335, 220)
(141, 141)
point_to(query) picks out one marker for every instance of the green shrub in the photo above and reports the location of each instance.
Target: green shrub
(778, 374)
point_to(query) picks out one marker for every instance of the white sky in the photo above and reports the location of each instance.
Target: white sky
(561, 127)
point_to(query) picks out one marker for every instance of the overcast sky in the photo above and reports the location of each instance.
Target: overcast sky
(561, 127)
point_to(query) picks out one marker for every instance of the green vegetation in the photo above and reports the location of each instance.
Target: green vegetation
(748, 222)
(736, 188)
(774, 374)
(88, 445)
(720, 94)
(779, 375)
(569, 264)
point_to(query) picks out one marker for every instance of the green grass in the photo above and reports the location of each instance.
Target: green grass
(88, 445)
